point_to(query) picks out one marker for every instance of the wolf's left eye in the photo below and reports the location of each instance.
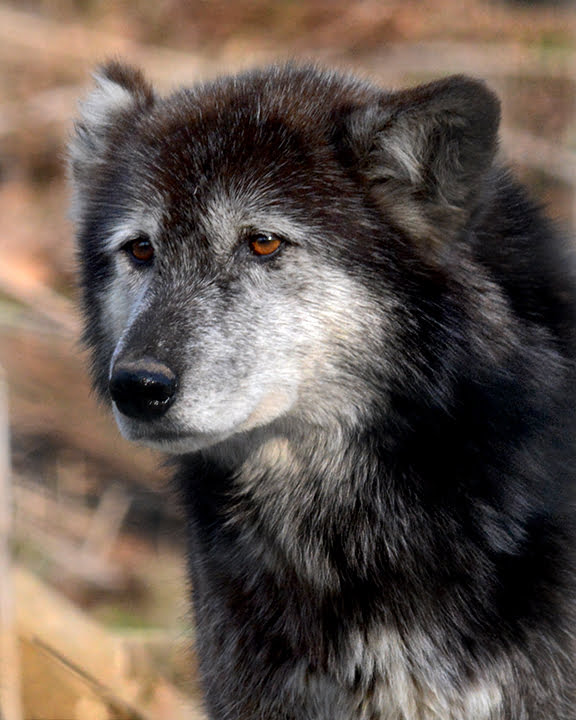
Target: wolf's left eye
(265, 244)
(140, 250)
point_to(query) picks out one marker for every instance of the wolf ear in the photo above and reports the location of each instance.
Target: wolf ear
(120, 93)
(422, 153)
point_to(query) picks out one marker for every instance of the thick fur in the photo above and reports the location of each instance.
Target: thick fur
(375, 426)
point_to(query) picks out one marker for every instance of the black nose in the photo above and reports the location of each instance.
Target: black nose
(143, 389)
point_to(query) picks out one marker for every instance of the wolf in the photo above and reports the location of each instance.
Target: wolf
(354, 331)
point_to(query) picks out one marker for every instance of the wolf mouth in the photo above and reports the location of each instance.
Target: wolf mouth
(167, 439)
(178, 444)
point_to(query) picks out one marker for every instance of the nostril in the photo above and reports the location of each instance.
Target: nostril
(143, 389)
(153, 386)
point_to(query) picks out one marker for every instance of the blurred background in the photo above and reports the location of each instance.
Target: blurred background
(93, 619)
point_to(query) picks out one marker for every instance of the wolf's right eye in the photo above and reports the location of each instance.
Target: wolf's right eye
(265, 245)
(140, 250)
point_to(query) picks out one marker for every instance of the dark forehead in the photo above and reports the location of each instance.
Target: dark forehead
(303, 98)
(273, 122)
(297, 94)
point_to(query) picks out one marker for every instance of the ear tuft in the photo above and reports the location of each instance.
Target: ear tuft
(423, 152)
(120, 92)
(118, 87)
(107, 115)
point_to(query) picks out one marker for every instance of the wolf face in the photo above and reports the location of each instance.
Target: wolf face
(231, 228)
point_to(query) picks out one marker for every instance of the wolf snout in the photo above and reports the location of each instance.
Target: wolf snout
(142, 389)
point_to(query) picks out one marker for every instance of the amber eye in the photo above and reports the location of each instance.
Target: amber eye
(265, 244)
(140, 250)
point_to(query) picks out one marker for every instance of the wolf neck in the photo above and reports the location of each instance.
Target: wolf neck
(319, 500)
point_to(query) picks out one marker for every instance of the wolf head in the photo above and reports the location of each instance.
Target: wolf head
(246, 246)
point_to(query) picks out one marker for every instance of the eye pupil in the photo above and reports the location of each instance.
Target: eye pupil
(140, 249)
(265, 244)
